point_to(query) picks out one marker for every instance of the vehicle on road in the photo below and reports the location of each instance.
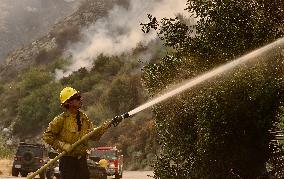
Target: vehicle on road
(96, 170)
(113, 157)
(29, 158)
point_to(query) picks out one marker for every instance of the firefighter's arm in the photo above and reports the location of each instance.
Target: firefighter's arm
(103, 128)
(51, 134)
(99, 131)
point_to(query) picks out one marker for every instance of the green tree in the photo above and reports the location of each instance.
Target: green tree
(37, 109)
(221, 126)
(123, 94)
(32, 79)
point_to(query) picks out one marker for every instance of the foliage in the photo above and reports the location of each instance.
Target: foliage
(58, 63)
(69, 33)
(32, 79)
(107, 66)
(5, 151)
(138, 145)
(37, 109)
(220, 129)
(123, 94)
(111, 87)
(8, 103)
(45, 56)
(225, 29)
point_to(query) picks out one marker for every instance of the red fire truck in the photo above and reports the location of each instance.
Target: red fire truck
(114, 158)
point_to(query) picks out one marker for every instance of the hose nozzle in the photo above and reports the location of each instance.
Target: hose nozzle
(125, 115)
(117, 119)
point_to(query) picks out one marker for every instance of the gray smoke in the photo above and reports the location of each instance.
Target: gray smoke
(23, 21)
(119, 32)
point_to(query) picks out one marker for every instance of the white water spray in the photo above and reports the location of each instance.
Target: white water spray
(208, 75)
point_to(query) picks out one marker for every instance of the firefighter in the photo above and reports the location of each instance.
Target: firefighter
(66, 129)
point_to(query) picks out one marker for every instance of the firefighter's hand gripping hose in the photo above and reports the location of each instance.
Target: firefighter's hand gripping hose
(115, 121)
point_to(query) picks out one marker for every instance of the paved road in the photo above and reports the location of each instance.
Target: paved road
(126, 175)
(137, 175)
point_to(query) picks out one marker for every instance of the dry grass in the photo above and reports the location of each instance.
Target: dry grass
(5, 167)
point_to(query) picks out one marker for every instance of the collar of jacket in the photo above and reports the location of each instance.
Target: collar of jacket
(68, 113)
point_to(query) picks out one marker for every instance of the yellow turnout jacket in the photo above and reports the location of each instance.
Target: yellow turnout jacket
(64, 128)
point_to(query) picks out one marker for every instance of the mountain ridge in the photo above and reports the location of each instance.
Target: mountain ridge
(54, 41)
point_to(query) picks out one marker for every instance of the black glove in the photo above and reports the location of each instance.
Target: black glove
(116, 120)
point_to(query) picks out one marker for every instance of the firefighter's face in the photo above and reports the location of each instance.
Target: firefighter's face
(75, 102)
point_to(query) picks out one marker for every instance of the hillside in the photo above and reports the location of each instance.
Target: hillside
(229, 122)
(51, 45)
(112, 85)
(22, 22)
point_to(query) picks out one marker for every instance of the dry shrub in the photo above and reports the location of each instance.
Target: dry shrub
(69, 33)
(45, 56)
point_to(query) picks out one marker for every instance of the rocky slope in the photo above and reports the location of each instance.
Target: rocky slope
(52, 45)
(23, 21)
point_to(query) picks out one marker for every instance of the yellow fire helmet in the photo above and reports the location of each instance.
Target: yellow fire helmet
(67, 93)
(103, 163)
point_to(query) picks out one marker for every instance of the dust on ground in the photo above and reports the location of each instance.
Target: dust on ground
(5, 167)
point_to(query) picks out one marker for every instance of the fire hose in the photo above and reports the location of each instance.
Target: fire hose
(115, 121)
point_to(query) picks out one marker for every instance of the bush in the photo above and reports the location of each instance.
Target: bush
(33, 79)
(221, 125)
(68, 33)
(49, 56)
(37, 109)
(5, 151)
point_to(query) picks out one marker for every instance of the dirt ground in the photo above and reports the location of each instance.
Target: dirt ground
(5, 167)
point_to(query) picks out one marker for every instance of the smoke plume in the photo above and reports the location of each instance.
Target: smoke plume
(23, 21)
(119, 32)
